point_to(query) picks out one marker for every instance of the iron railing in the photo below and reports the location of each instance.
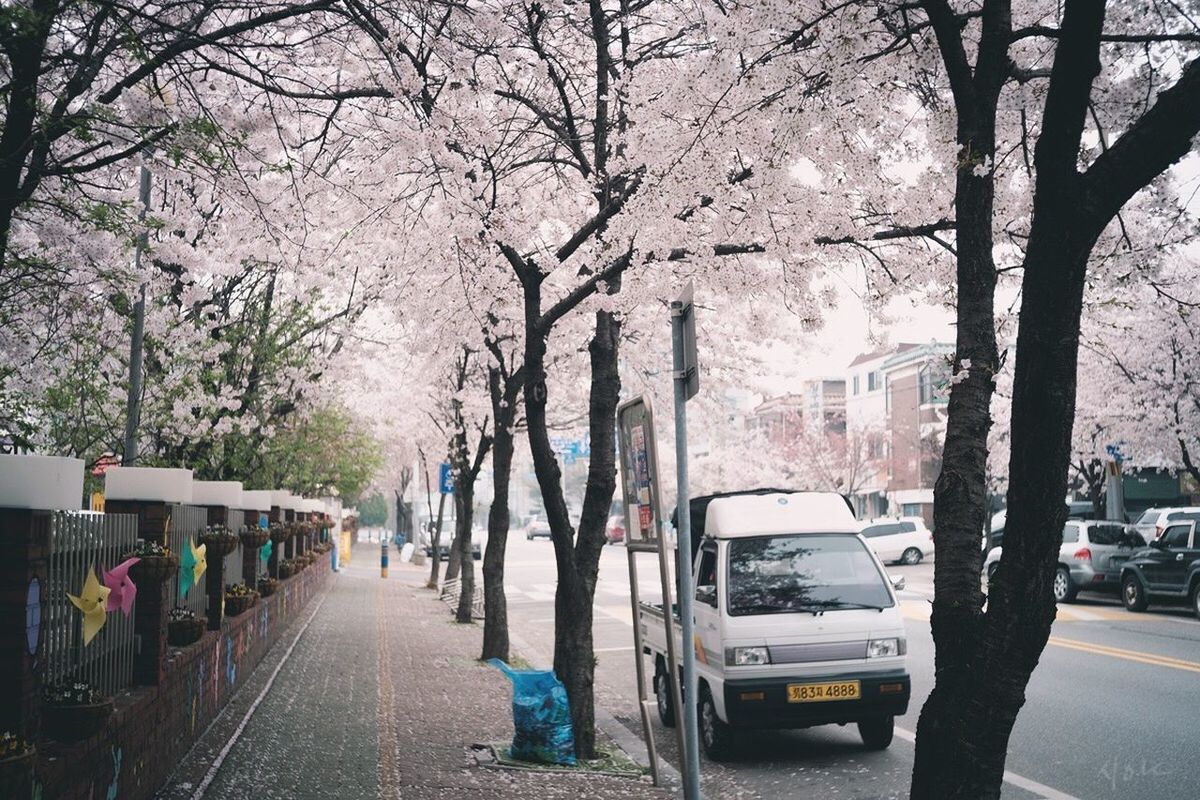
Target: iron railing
(80, 540)
(233, 561)
(186, 525)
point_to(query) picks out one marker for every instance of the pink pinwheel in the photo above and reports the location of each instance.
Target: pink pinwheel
(122, 588)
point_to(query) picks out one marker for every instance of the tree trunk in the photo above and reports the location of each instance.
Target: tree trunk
(454, 562)
(435, 544)
(465, 503)
(495, 605)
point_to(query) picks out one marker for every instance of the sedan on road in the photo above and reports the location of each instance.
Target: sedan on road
(538, 528)
(1169, 569)
(1090, 558)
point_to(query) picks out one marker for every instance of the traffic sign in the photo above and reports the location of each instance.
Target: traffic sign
(683, 309)
(445, 479)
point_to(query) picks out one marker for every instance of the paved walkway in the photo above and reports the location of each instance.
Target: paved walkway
(375, 693)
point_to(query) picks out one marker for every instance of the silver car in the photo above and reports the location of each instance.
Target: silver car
(1089, 559)
(1153, 520)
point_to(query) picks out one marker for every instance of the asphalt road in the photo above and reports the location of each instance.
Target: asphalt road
(1113, 710)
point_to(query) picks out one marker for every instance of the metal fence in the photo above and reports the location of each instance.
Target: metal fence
(80, 540)
(187, 523)
(233, 561)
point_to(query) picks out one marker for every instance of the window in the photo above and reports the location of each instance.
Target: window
(1070, 534)
(855, 384)
(706, 577)
(1148, 517)
(1176, 536)
(910, 509)
(885, 529)
(1180, 516)
(1106, 534)
(873, 381)
(802, 573)
(907, 527)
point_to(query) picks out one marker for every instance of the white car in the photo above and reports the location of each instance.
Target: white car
(1153, 521)
(903, 540)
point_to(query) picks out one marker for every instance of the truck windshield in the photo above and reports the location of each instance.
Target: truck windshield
(803, 573)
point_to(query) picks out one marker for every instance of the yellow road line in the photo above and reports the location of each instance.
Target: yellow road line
(1128, 655)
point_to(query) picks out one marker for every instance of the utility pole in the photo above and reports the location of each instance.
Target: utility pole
(133, 409)
(687, 383)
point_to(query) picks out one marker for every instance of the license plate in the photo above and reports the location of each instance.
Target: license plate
(823, 692)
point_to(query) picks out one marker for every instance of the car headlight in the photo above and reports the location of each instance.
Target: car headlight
(882, 648)
(746, 656)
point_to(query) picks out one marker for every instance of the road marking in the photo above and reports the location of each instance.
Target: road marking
(1020, 781)
(1128, 655)
(237, 733)
(612, 649)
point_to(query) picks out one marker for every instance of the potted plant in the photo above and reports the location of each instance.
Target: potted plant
(184, 627)
(219, 541)
(286, 568)
(254, 537)
(238, 598)
(156, 563)
(279, 532)
(74, 710)
(17, 757)
(267, 586)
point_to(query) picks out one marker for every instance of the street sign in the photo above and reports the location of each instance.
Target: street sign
(683, 310)
(445, 479)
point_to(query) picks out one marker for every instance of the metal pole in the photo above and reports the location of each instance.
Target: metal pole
(683, 564)
(133, 403)
(639, 661)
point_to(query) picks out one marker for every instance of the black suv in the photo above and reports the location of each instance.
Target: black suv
(1168, 569)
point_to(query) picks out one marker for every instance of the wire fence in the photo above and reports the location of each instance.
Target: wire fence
(79, 541)
(184, 529)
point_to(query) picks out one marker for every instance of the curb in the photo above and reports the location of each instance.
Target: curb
(612, 727)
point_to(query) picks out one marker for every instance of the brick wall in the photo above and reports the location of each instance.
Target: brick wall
(152, 728)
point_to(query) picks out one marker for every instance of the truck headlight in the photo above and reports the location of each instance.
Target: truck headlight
(746, 656)
(882, 648)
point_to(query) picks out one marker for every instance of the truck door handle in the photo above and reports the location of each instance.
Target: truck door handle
(1179, 557)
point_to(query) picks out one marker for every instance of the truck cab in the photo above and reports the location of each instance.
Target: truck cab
(796, 622)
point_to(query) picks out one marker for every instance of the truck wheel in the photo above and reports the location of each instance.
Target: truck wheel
(876, 732)
(911, 556)
(715, 736)
(1132, 593)
(662, 696)
(1196, 600)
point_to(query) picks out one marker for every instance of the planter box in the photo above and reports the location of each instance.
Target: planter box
(182, 632)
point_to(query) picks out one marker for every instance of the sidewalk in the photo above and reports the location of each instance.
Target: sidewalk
(381, 697)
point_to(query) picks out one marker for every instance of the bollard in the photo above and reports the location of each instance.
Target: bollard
(383, 559)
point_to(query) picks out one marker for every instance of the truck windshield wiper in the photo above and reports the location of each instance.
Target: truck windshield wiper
(823, 604)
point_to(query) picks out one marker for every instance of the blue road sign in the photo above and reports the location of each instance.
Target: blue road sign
(446, 479)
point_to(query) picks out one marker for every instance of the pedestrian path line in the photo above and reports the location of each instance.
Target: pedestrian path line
(1020, 781)
(237, 733)
(1128, 655)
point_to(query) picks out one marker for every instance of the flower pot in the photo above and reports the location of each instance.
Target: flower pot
(267, 587)
(286, 571)
(236, 604)
(16, 774)
(153, 569)
(279, 535)
(182, 632)
(254, 538)
(219, 545)
(74, 723)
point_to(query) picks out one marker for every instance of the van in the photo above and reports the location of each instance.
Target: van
(796, 622)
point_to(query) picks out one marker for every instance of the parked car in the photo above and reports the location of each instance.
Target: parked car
(905, 540)
(1153, 520)
(1076, 509)
(1090, 558)
(538, 527)
(1169, 569)
(614, 531)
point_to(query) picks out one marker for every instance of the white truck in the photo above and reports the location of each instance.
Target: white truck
(796, 622)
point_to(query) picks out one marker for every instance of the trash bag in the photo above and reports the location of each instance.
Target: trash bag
(541, 716)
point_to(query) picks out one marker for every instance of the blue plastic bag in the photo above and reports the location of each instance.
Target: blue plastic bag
(541, 716)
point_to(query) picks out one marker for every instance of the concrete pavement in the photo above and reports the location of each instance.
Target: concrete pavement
(376, 694)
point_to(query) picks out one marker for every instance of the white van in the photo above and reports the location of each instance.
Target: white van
(796, 622)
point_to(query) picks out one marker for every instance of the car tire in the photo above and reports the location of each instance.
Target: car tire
(1196, 600)
(1064, 589)
(529, 537)
(876, 732)
(1133, 594)
(911, 556)
(662, 697)
(716, 737)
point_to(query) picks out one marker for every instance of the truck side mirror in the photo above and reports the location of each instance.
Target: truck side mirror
(897, 581)
(707, 595)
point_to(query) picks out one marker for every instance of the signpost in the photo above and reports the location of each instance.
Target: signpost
(686, 376)
(445, 479)
(1115, 485)
(643, 524)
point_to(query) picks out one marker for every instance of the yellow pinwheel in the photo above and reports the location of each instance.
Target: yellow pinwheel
(91, 601)
(195, 561)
